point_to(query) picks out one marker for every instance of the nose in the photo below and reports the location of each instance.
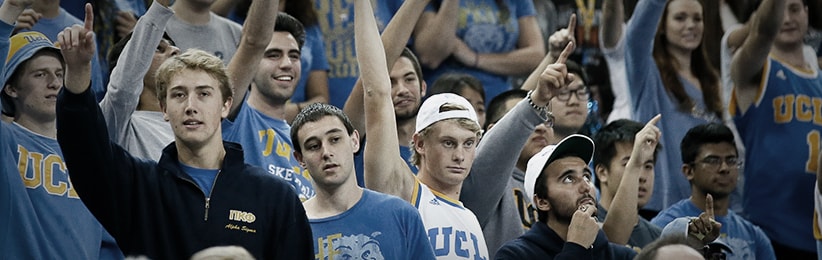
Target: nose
(459, 154)
(286, 63)
(327, 152)
(54, 81)
(174, 51)
(191, 108)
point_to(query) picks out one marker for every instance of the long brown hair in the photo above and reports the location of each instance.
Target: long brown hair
(700, 66)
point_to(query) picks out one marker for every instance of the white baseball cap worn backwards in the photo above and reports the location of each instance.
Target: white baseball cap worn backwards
(430, 111)
(574, 145)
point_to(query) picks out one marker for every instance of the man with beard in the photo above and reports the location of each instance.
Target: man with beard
(712, 168)
(259, 124)
(559, 181)
(494, 189)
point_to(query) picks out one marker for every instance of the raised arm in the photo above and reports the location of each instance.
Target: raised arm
(257, 32)
(556, 44)
(749, 60)
(499, 149)
(9, 11)
(394, 38)
(384, 170)
(613, 17)
(435, 34)
(523, 59)
(623, 214)
(639, 44)
(126, 80)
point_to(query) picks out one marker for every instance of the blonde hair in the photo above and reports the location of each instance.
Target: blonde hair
(193, 59)
(464, 123)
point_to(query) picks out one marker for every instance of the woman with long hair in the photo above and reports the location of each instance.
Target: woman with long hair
(669, 73)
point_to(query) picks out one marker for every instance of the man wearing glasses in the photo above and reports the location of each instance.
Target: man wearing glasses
(712, 167)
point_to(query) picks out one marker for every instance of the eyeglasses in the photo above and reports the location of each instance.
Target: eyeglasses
(714, 162)
(582, 94)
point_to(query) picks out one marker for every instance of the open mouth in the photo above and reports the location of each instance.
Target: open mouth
(191, 123)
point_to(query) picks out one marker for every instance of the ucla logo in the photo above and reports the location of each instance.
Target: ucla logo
(243, 216)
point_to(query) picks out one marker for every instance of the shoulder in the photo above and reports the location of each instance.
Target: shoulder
(517, 249)
(388, 202)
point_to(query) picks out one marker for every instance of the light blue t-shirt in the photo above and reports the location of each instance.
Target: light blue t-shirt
(203, 177)
(480, 27)
(267, 144)
(746, 240)
(379, 226)
(41, 215)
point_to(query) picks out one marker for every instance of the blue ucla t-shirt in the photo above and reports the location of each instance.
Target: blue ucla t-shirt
(379, 226)
(267, 144)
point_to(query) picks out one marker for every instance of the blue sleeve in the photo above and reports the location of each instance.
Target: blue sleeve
(641, 69)
(318, 59)
(5, 31)
(523, 8)
(764, 249)
(417, 237)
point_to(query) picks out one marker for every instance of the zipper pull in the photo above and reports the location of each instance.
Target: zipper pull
(207, 204)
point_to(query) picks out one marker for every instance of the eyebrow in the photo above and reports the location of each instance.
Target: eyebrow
(201, 87)
(332, 131)
(278, 50)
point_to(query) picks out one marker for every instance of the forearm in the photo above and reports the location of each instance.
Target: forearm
(622, 214)
(396, 34)
(496, 158)
(435, 32)
(257, 33)
(748, 61)
(612, 21)
(126, 80)
(514, 63)
(9, 12)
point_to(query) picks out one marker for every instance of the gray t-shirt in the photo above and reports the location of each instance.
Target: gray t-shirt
(219, 37)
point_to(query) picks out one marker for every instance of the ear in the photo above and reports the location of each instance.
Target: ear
(688, 171)
(226, 107)
(418, 144)
(355, 140)
(165, 111)
(602, 174)
(299, 157)
(542, 204)
(423, 88)
(9, 90)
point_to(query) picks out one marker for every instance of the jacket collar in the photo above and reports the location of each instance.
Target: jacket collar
(232, 162)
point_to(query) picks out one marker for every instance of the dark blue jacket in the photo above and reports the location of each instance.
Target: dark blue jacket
(156, 210)
(541, 242)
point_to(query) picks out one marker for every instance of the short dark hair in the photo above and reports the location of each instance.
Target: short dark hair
(289, 24)
(117, 49)
(313, 113)
(575, 68)
(455, 83)
(619, 131)
(408, 54)
(710, 133)
(497, 109)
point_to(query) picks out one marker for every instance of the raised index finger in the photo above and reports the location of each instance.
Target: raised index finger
(654, 120)
(89, 20)
(709, 206)
(569, 48)
(572, 24)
